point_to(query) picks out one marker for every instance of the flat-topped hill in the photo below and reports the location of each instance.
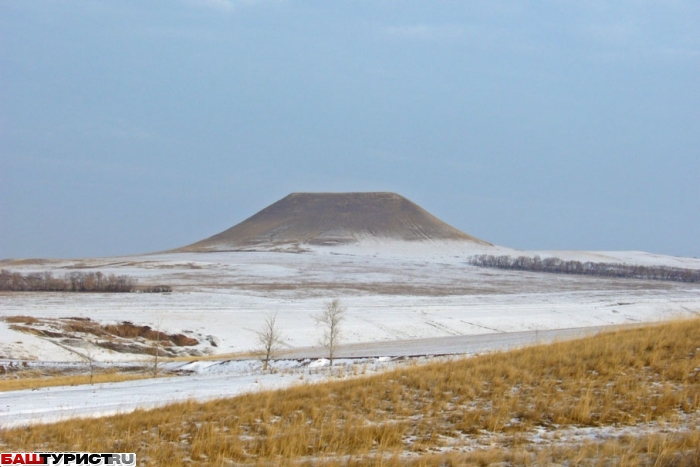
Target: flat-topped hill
(333, 219)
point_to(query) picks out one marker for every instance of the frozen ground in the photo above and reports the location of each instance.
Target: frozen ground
(401, 299)
(206, 380)
(392, 291)
(209, 380)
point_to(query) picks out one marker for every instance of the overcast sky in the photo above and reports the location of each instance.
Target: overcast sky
(135, 126)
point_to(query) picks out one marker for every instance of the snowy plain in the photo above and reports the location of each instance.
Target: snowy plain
(401, 298)
(391, 292)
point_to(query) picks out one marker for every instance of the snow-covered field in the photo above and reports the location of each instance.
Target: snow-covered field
(401, 299)
(391, 292)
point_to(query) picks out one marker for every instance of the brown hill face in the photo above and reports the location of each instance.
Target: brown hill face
(332, 219)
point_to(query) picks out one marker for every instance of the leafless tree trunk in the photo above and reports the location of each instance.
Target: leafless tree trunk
(87, 356)
(269, 339)
(159, 324)
(90, 359)
(329, 321)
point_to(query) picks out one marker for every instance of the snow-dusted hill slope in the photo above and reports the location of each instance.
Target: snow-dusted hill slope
(300, 220)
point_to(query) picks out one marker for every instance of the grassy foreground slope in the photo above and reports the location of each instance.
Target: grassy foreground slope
(630, 397)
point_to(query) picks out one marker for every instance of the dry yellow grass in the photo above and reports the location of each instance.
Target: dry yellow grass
(36, 382)
(625, 378)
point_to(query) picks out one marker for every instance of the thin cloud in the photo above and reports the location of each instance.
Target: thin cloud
(653, 30)
(221, 5)
(229, 5)
(476, 36)
(627, 39)
(425, 31)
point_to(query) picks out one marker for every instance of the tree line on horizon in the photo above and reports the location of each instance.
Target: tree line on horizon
(560, 266)
(72, 282)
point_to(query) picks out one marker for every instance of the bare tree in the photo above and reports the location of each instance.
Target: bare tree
(269, 339)
(329, 321)
(156, 349)
(87, 355)
(90, 358)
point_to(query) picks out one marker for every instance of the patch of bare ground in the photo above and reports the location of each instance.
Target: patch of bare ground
(123, 337)
(27, 262)
(323, 288)
(630, 397)
(437, 289)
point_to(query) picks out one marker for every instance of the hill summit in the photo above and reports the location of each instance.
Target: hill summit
(333, 219)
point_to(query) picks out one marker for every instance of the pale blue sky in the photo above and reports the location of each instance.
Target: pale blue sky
(134, 126)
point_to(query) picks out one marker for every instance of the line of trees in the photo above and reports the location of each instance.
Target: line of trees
(72, 282)
(559, 266)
